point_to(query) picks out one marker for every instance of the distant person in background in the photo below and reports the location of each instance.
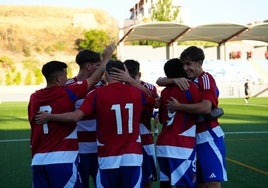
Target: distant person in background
(247, 92)
(88, 62)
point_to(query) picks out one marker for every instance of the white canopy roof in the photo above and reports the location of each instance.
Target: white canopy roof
(219, 33)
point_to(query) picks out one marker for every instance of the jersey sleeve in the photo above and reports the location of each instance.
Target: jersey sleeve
(148, 100)
(151, 88)
(32, 109)
(208, 89)
(89, 104)
(78, 89)
(194, 91)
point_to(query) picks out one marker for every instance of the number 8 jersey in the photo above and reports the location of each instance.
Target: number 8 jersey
(54, 142)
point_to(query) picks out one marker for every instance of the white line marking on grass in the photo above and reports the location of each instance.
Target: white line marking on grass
(249, 132)
(15, 140)
(240, 104)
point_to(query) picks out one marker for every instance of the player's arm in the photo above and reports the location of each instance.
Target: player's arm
(96, 76)
(124, 76)
(43, 117)
(137, 84)
(183, 83)
(203, 107)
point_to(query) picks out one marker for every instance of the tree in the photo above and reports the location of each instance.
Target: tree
(95, 40)
(164, 11)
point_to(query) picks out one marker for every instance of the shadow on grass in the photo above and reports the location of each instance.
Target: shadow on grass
(15, 159)
(12, 118)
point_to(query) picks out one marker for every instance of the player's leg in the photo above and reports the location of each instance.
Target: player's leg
(84, 169)
(164, 172)
(149, 173)
(93, 166)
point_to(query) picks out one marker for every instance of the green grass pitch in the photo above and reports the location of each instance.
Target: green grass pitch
(245, 126)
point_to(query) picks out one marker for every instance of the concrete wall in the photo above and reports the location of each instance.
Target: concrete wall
(17, 93)
(22, 93)
(150, 53)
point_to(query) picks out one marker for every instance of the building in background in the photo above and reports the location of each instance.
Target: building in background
(142, 10)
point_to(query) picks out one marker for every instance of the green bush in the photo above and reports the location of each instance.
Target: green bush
(95, 40)
(30, 64)
(17, 78)
(28, 79)
(7, 63)
(38, 76)
(8, 79)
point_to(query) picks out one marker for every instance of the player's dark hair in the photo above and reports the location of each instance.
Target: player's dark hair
(192, 53)
(51, 68)
(114, 64)
(173, 68)
(87, 56)
(133, 67)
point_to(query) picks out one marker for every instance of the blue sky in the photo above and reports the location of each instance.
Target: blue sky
(198, 12)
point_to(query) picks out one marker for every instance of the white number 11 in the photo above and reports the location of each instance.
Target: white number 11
(118, 115)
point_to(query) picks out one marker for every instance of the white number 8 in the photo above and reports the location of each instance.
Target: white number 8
(45, 109)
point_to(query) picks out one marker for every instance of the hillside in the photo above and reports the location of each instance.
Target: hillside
(40, 34)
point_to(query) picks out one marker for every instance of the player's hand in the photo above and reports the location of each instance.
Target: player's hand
(121, 75)
(172, 104)
(108, 52)
(183, 83)
(42, 117)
